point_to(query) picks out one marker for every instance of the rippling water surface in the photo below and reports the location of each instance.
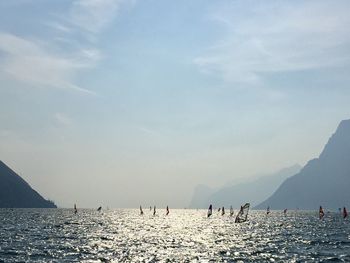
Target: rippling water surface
(58, 235)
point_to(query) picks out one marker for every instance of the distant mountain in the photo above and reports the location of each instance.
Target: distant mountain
(238, 194)
(323, 181)
(17, 193)
(201, 195)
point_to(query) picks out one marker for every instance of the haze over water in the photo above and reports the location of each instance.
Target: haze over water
(50, 235)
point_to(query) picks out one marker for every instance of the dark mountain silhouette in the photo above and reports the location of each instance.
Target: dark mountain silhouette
(323, 181)
(238, 194)
(17, 193)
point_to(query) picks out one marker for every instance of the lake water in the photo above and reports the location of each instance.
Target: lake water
(58, 235)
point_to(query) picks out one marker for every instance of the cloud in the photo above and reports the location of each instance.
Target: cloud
(274, 38)
(62, 119)
(93, 15)
(30, 62)
(56, 61)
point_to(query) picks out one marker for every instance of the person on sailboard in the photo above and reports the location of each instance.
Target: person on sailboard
(167, 210)
(223, 211)
(285, 211)
(268, 210)
(239, 213)
(75, 209)
(231, 211)
(154, 210)
(141, 211)
(99, 209)
(321, 213)
(345, 213)
(210, 210)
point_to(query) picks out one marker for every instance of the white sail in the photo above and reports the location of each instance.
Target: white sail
(242, 215)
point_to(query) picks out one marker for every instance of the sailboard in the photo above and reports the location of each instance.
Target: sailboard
(321, 213)
(210, 211)
(231, 211)
(167, 211)
(242, 215)
(345, 213)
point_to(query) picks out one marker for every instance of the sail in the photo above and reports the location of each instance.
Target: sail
(75, 209)
(268, 210)
(285, 211)
(210, 210)
(231, 211)
(99, 209)
(345, 213)
(242, 215)
(154, 210)
(167, 210)
(321, 213)
(141, 211)
(222, 211)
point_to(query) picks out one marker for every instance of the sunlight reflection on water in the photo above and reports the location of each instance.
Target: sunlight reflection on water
(184, 236)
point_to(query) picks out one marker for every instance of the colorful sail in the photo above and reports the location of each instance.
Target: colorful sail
(321, 213)
(242, 215)
(210, 210)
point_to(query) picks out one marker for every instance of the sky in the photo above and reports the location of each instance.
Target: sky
(126, 102)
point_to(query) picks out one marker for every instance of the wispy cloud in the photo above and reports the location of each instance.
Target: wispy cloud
(93, 15)
(62, 119)
(46, 62)
(30, 62)
(273, 38)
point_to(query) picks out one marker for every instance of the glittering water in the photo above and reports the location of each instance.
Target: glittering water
(58, 235)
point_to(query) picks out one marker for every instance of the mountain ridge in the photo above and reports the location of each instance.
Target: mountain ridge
(15, 192)
(322, 181)
(240, 193)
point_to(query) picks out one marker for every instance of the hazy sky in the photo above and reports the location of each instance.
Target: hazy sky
(121, 103)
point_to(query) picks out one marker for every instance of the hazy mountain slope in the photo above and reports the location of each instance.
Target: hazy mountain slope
(323, 181)
(15, 192)
(200, 196)
(252, 192)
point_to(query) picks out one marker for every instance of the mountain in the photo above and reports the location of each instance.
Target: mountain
(201, 195)
(323, 181)
(238, 194)
(17, 193)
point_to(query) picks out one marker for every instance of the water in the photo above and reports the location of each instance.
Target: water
(58, 235)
